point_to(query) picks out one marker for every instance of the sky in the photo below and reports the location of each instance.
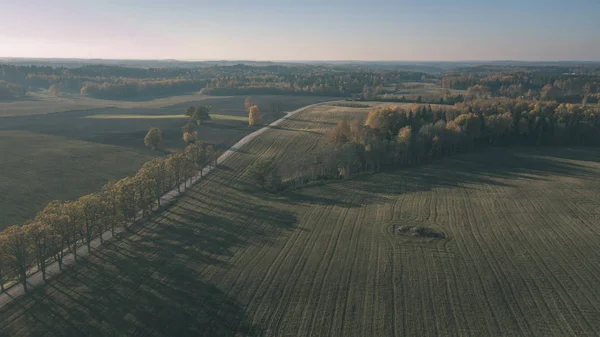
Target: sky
(370, 30)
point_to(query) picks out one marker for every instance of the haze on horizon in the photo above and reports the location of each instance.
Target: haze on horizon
(430, 30)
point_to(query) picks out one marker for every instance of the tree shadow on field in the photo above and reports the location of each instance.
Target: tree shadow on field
(277, 127)
(495, 167)
(223, 126)
(151, 281)
(313, 122)
(148, 289)
(327, 194)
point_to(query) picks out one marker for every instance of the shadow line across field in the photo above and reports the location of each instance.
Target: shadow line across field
(494, 167)
(155, 280)
(150, 282)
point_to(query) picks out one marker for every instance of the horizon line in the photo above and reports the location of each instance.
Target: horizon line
(292, 61)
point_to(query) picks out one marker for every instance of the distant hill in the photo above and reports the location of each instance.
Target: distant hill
(422, 66)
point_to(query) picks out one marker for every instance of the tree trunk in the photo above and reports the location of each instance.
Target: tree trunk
(43, 268)
(88, 238)
(59, 260)
(24, 278)
(74, 251)
(1, 281)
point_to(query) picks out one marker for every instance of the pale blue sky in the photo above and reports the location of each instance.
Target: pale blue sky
(302, 30)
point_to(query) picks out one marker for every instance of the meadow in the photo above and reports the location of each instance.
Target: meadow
(515, 252)
(428, 91)
(53, 151)
(212, 117)
(42, 102)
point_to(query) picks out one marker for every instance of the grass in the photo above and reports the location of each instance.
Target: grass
(212, 116)
(37, 168)
(518, 255)
(101, 116)
(63, 155)
(412, 90)
(41, 102)
(127, 126)
(351, 105)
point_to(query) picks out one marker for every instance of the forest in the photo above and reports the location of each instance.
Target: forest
(114, 82)
(545, 84)
(395, 136)
(10, 91)
(564, 84)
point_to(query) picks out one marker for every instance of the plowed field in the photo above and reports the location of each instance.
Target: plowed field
(514, 249)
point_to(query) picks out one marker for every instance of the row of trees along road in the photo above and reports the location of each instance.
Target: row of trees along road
(393, 136)
(63, 226)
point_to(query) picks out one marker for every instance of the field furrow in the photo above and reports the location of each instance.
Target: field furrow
(518, 255)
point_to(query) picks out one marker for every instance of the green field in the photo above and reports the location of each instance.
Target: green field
(63, 155)
(517, 252)
(37, 168)
(413, 90)
(212, 116)
(41, 102)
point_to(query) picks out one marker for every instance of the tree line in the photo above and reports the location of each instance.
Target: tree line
(63, 226)
(330, 82)
(10, 91)
(544, 85)
(565, 84)
(121, 89)
(115, 82)
(393, 136)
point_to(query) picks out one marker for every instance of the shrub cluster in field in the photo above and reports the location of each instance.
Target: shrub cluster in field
(11, 90)
(62, 226)
(394, 136)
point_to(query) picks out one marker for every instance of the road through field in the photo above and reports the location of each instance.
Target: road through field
(518, 255)
(52, 269)
(106, 143)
